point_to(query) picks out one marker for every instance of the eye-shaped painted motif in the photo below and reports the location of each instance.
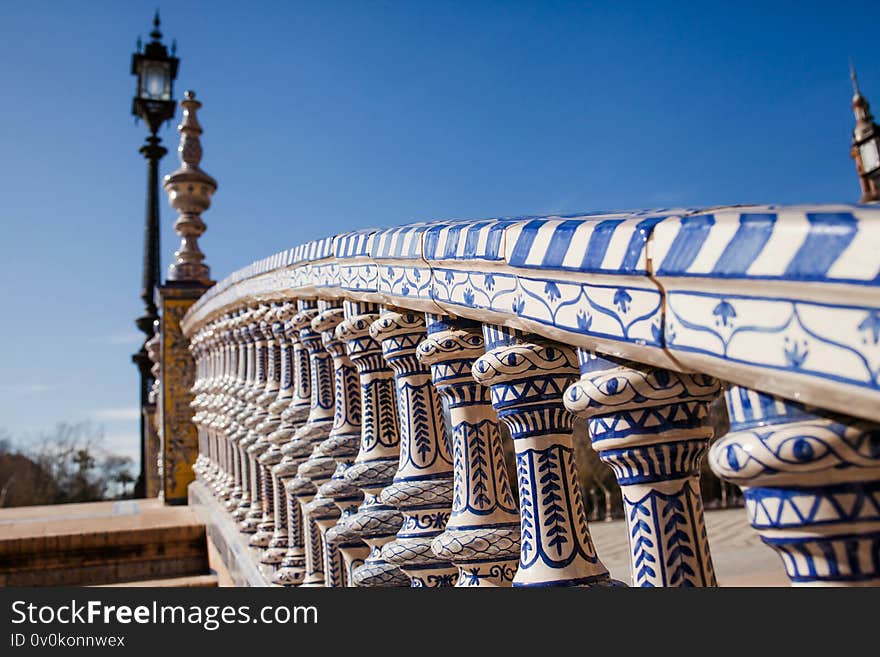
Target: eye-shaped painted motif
(802, 449)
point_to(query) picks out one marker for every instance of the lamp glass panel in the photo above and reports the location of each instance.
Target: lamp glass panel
(155, 82)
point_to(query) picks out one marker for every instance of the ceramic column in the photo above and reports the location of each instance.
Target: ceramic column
(811, 483)
(212, 366)
(340, 540)
(344, 444)
(294, 419)
(375, 522)
(227, 421)
(422, 486)
(203, 463)
(215, 362)
(314, 469)
(277, 548)
(527, 376)
(265, 452)
(248, 418)
(335, 496)
(220, 420)
(276, 545)
(482, 535)
(653, 426)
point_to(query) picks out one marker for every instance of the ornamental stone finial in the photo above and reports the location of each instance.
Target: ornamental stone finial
(189, 191)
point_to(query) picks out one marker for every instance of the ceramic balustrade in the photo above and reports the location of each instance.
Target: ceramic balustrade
(652, 426)
(482, 535)
(658, 306)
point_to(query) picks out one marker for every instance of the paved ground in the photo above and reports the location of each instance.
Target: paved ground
(28, 521)
(740, 558)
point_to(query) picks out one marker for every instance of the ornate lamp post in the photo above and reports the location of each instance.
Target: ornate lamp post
(156, 71)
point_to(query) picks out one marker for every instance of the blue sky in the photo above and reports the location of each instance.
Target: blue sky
(322, 117)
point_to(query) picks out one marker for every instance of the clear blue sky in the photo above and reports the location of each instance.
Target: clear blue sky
(326, 116)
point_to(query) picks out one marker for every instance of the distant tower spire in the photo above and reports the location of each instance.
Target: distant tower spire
(854, 78)
(865, 148)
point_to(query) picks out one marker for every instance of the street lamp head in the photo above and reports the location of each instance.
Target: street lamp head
(156, 71)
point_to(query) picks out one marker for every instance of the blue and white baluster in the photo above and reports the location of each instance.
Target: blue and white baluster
(212, 364)
(214, 418)
(249, 417)
(227, 422)
(200, 404)
(339, 449)
(281, 393)
(315, 469)
(375, 522)
(811, 482)
(482, 536)
(291, 570)
(653, 426)
(422, 486)
(340, 540)
(528, 376)
(266, 453)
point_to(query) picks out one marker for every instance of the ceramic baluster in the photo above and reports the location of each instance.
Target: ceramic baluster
(375, 522)
(248, 418)
(482, 535)
(343, 444)
(199, 404)
(275, 547)
(291, 569)
(227, 421)
(335, 496)
(527, 376)
(220, 420)
(653, 426)
(266, 453)
(422, 486)
(811, 483)
(315, 469)
(278, 545)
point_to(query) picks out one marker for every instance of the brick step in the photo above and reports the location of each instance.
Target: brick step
(100, 543)
(194, 581)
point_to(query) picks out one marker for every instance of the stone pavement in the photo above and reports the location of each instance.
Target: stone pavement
(740, 558)
(130, 541)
